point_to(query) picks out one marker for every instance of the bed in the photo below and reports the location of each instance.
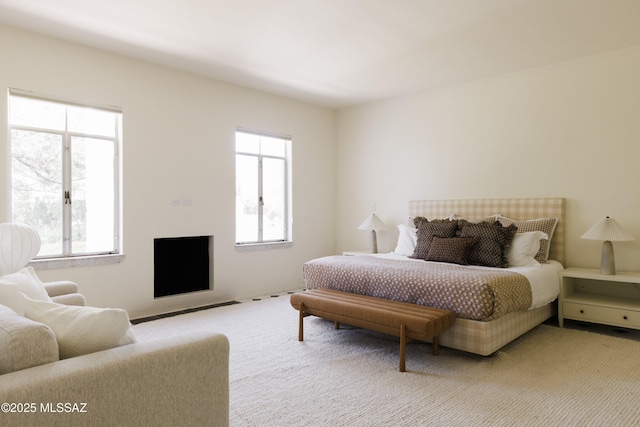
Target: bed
(494, 305)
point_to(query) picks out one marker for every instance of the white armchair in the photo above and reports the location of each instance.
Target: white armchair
(19, 243)
(175, 380)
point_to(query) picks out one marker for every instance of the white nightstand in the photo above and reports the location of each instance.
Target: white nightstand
(589, 296)
(355, 253)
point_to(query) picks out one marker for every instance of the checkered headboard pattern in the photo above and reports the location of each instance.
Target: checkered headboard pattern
(513, 208)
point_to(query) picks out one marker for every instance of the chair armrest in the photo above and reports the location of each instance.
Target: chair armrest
(177, 380)
(70, 299)
(64, 292)
(60, 287)
(24, 343)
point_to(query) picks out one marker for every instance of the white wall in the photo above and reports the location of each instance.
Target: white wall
(569, 130)
(566, 130)
(179, 143)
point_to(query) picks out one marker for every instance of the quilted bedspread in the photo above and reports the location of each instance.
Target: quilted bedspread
(470, 292)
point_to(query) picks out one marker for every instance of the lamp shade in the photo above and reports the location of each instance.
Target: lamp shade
(372, 223)
(19, 243)
(607, 229)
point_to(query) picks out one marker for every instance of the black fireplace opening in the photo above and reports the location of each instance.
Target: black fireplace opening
(181, 265)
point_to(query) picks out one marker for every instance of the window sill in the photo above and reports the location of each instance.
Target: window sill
(71, 262)
(251, 247)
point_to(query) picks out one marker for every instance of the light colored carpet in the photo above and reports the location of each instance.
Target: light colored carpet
(349, 377)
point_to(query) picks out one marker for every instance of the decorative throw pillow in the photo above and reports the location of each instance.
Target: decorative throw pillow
(427, 230)
(406, 240)
(451, 249)
(546, 225)
(25, 281)
(492, 243)
(81, 330)
(456, 217)
(524, 248)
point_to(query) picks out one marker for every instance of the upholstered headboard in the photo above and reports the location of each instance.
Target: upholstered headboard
(520, 209)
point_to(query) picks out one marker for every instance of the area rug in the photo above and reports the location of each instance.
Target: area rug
(349, 377)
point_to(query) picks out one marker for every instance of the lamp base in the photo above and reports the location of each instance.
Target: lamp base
(608, 261)
(373, 242)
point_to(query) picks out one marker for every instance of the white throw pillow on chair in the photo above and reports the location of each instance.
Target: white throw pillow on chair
(24, 281)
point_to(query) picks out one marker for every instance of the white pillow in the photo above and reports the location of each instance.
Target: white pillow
(81, 330)
(524, 248)
(24, 281)
(406, 240)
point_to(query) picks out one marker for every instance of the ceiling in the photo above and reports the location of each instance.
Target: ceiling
(338, 53)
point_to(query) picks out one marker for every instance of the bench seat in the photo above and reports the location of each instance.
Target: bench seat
(401, 319)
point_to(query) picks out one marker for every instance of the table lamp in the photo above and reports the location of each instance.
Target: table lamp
(608, 230)
(372, 223)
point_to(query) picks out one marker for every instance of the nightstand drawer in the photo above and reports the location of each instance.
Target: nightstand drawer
(598, 314)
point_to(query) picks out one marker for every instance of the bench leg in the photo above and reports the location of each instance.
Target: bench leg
(301, 324)
(336, 325)
(403, 343)
(434, 342)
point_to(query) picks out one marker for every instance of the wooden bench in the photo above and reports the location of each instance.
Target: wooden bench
(407, 321)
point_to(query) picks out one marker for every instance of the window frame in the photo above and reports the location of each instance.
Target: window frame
(261, 242)
(66, 147)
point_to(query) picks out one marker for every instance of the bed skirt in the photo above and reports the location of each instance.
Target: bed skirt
(485, 338)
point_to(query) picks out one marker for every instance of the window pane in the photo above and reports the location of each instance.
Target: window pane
(274, 199)
(247, 143)
(246, 198)
(272, 146)
(91, 121)
(36, 174)
(51, 158)
(36, 113)
(92, 195)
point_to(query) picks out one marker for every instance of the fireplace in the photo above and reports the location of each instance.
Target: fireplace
(182, 265)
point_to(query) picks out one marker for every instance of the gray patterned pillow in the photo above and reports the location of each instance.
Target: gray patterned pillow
(492, 243)
(427, 230)
(452, 249)
(546, 225)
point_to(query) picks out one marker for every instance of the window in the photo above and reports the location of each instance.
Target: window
(64, 174)
(263, 212)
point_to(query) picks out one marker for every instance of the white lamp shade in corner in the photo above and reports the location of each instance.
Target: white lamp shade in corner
(373, 222)
(19, 243)
(607, 229)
